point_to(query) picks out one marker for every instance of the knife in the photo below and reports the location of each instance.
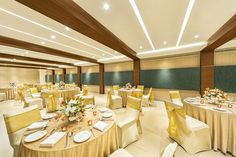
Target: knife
(67, 140)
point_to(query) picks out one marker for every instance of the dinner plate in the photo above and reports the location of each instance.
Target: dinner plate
(103, 109)
(35, 136)
(82, 136)
(88, 106)
(220, 109)
(107, 115)
(49, 116)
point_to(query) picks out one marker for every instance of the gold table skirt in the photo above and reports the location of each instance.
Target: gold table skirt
(10, 93)
(222, 125)
(102, 145)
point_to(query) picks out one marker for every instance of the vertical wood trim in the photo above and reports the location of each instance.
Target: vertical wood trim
(206, 70)
(101, 78)
(64, 75)
(136, 66)
(79, 76)
(53, 76)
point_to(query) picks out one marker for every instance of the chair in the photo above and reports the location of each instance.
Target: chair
(113, 101)
(146, 98)
(16, 123)
(141, 87)
(29, 101)
(192, 134)
(169, 151)
(34, 93)
(120, 153)
(51, 105)
(175, 98)
(87, 99)
(128, 122)
(115, 89)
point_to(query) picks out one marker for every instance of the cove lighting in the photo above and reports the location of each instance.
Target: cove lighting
(35, 36)
(80, 63)
(186, 17)
(50, 29)
(139, 17)
(173, 48)
(111, 58)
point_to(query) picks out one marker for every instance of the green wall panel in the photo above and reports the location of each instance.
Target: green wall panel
(48, 78)
(90, 78)
(71, 78)
(118, 78)
(58, 78)
(181, 78)
(225, 78)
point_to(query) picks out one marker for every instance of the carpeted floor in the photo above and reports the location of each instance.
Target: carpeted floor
(151, 143)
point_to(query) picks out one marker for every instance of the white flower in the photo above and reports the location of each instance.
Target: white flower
(72, 110)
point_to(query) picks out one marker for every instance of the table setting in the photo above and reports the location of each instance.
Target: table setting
(218, 110)
(73, 131)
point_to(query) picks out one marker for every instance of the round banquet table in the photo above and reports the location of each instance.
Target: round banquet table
(100, 145)
(222, 124)
(123, 92)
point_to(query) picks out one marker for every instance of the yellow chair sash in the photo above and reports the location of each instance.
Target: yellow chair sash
(137, 94)
(33, 90)
(116, 87)
(17, 122)
(174, 94)
(85, 91)
(51, 104)
(141, 87)
(134, 103)
(177, 122)
(109, 98)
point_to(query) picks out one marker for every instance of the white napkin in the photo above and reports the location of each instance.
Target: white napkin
(101, 126)
(37, 125)
(36, 95)
(53, 139)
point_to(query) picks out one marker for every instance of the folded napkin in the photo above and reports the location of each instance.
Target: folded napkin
(37, 125)
(53, 139)
(36, 95)
(101, 126)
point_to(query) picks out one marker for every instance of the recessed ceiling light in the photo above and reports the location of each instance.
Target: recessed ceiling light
(106, 6)
(140, 47)
(67, 28)
(42, 42)
(26, 52)
(164, 42)
(53, 37)
(13, 60)
(103, 54)
(196, 36)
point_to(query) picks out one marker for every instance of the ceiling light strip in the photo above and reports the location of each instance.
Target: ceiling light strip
(50, 29)
(111, 58)
(29, 34)
(186, 17)
(139, 17)
(172, 48)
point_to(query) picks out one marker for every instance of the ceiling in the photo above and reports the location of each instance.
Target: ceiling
(163, 20)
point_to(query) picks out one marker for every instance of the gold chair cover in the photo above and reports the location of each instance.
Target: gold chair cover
(191, 134)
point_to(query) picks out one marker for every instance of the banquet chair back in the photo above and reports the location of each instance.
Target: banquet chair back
(175, 97)
(192, 134)
(85, 91)
(141, 87)
(134, 107)
(51, 104)
(34, 90)
(115, 89)
(109, 98)
(169, 151)
(16, 123)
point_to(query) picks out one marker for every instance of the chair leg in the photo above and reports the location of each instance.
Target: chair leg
(139, 126)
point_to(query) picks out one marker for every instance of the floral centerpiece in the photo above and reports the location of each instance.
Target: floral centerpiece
(62, 85)
(215, 95)
(128, 85)
(72, 109)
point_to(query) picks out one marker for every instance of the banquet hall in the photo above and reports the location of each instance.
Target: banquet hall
(129, 78)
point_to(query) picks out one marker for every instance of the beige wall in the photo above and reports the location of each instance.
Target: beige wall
(225, 58)
(18, 76)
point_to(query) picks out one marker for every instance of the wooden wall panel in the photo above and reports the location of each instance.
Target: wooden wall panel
(136, 65)
(101, 79)
(79, 76)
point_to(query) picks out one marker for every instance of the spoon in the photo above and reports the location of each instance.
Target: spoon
(70, 135)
